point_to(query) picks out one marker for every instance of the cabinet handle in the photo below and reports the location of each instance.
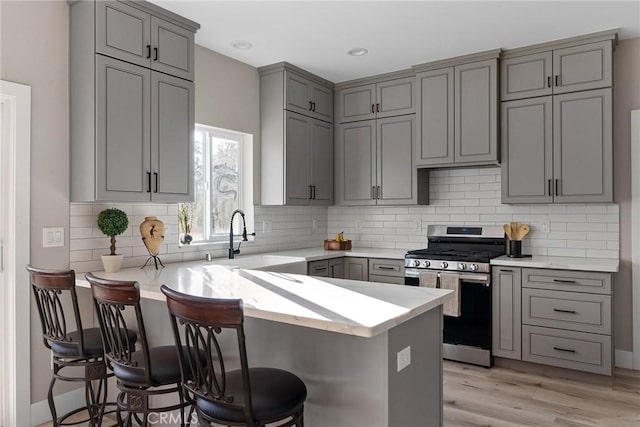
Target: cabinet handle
(557, 79)
(384, 267)
(148, 51)
(310, 106)
(549, 81)
(149, 181)
(314, 192)
(155, 175)
(549, 188)
(559, 310)
(564, 349)
(379, 192)
(314, 106)
(377, 108)
(564, 281)
(557, 181)
(155, 53)
(506, 271)
(373, 108)
(373, 192)
(319, 268)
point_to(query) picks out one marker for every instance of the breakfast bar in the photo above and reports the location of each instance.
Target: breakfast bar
(369, 353)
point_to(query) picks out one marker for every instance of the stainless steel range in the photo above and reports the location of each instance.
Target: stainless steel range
(466, 251)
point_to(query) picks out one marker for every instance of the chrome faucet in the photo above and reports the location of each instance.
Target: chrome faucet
(232, 251)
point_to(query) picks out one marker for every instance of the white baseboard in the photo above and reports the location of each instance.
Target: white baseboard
(624, 359)
(65, 402)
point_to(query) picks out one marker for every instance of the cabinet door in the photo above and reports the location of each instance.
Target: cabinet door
(476, 112)
(356, 269)
(322, 162)
(172, 47)
(582, 67)
(396, 174)
(507, 308)
(395, 97)
(526, 76)
(123, 131)
(357, 103)
(322, 98)
(297, 91)
(172, 118)
(297, 155)
(336, 268)
(357, 163)
(435, 118)
(123, 32)
(582, 157)
(318, 268)
(527, 151)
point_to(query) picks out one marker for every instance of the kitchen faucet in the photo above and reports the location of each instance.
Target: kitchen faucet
(232, 251)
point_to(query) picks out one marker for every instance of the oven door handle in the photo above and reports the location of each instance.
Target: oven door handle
(464, 277)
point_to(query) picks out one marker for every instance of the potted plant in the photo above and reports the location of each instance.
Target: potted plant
(185, 219)
(112, 222)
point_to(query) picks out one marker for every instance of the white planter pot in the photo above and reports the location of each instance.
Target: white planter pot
(111, 263)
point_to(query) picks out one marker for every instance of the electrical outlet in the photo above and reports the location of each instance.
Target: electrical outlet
(417, 225)
(314, 225)
(404, 358)
(267, 226)
(358, 224)
(545, 226)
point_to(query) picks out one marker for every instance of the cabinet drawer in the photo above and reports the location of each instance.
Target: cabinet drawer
(386, 267)
(386, 279)
(565, 280)
(567, 349)
(567, 310)
(318, 268)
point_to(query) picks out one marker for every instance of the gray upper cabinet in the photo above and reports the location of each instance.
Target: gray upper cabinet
(131, 126)
(583, 150)
(457, 111)
(307, 97)
(296, 110)
(570, 69)
(558, 149)
(377, 100)
(131, 32)
(372, 162)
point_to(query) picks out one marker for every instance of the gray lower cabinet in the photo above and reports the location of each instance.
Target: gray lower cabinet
(356, 268)
(585, 66)
(558, 149)
(307, 97)
(386, 271)
(457, 116)
(376, 100)
(327, 268)
(375, 162)
(137, 32)
(336, 268)
(506, 312)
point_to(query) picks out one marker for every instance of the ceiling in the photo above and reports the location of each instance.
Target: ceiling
(316, 35)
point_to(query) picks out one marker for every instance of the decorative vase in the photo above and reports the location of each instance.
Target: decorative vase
(152, 232)
(111, 263)
(186, 238)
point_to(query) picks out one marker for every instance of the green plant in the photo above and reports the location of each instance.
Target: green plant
(185, 216)
(112, 222)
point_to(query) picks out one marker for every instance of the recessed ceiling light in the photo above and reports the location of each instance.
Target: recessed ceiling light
(357, 51)
(241, 44)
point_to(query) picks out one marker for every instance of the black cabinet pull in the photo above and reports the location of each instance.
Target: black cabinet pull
(549, 188)
(384, 267)
(155, 175)
(310, 106)
(557, 181)
(379, 192)
(549, 81)
(557, 78)
(314, 192)
(155, 53)
(559, 310)
(506, 271)
(373, 108)
(377, 108)
(564, 349)
(310, 192)
(564, 281)
(149, 182)
(373, 192)
(148, 51)
(313, 105)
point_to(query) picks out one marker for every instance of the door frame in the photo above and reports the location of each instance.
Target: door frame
(15, 192)
(635, 234)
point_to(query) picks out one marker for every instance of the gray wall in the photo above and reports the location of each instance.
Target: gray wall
(626, 97)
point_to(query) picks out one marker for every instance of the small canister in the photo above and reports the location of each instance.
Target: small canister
(515, 247)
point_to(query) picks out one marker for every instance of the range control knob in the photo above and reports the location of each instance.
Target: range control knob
(425, 263)
(414, 263)
(462, 266)
(444, 264)
(474, 267)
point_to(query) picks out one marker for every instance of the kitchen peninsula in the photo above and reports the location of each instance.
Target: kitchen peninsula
(369, 353)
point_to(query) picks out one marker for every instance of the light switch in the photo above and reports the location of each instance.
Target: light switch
(52, 237)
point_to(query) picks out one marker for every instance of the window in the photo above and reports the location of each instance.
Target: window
(222, 164)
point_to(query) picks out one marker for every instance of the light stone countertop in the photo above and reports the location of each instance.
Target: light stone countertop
(350, 307)
(606, 265)
(315, 254)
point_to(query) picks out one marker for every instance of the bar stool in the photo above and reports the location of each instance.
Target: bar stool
(150, 371)
(82, 348)
(250, 397)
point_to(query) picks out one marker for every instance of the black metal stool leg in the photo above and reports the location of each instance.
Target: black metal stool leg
(52, 406)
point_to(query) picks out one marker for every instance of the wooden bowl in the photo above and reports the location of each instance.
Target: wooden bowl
(335, 245)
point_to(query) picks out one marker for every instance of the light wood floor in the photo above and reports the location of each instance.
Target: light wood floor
(501, 397)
